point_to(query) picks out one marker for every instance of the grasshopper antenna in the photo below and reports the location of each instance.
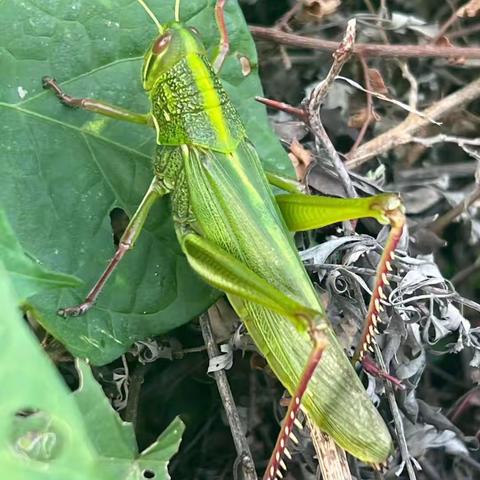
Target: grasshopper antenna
(151, 15)
(177, 10)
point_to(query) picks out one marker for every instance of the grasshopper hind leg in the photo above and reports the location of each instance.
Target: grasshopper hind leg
(280, 451)
(305, 212)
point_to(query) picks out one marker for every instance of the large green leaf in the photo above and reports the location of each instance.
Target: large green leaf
(62, 171)
(27, 275)
(46, 433)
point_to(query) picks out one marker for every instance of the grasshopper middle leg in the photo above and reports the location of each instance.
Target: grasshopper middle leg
(154, 192)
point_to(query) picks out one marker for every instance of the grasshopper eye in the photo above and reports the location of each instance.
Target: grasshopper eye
(161, 44)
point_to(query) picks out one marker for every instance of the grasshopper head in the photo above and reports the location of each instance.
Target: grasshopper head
(175, 43)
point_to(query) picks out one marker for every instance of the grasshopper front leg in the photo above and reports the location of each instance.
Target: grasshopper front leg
(97, 106)
(224, 44)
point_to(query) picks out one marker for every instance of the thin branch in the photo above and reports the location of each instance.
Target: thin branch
(463, 275)
(471, 462)
(283, 107)
(442, 222)
(460, 141)
(283, 21)
(404, 131)
(429, 470)
(453, 170)
(318, 94)
(369, 107)
(464, 32)
(443, 29)
(282, 24)
(407, 74)
(366, 49)
(241, 445)
(135, 384)
(402, 63)
(441, 32)
(340, 56)
(332, 458)
(397, 419)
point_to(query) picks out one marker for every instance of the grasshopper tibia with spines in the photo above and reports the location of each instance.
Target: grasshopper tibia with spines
(394, 212)
(280, 451)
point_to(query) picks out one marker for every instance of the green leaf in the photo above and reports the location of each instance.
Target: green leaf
(28, 277)
(114, 439)
(46, 433)
(63, 170)
(111, 436)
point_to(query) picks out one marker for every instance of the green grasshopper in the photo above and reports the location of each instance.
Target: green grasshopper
(236, 235)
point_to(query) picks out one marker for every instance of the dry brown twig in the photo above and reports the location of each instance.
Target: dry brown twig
(244, 459)
(412, 124)
(330, 457)
(365, 49)
(386, 98)
(314, 102)
(340, 56)
(369, 107)
(310, 113)
(406, 130)
(439, 225)
(401, 62)
(400, 431)
(468, 9)
(442, 138)
(282, 24)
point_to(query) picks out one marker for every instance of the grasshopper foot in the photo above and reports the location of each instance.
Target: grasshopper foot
(50, 83)
(47, 82)
(75, 311)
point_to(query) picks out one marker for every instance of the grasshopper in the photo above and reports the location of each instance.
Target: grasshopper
(237, 236)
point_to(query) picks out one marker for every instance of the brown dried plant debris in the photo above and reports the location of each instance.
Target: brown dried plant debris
(358, 118)
(471, 9)
(301, 159)
(443, 41)
(377, 83)
(317, 10)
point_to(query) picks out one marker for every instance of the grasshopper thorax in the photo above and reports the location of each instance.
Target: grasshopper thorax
(176, 42)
